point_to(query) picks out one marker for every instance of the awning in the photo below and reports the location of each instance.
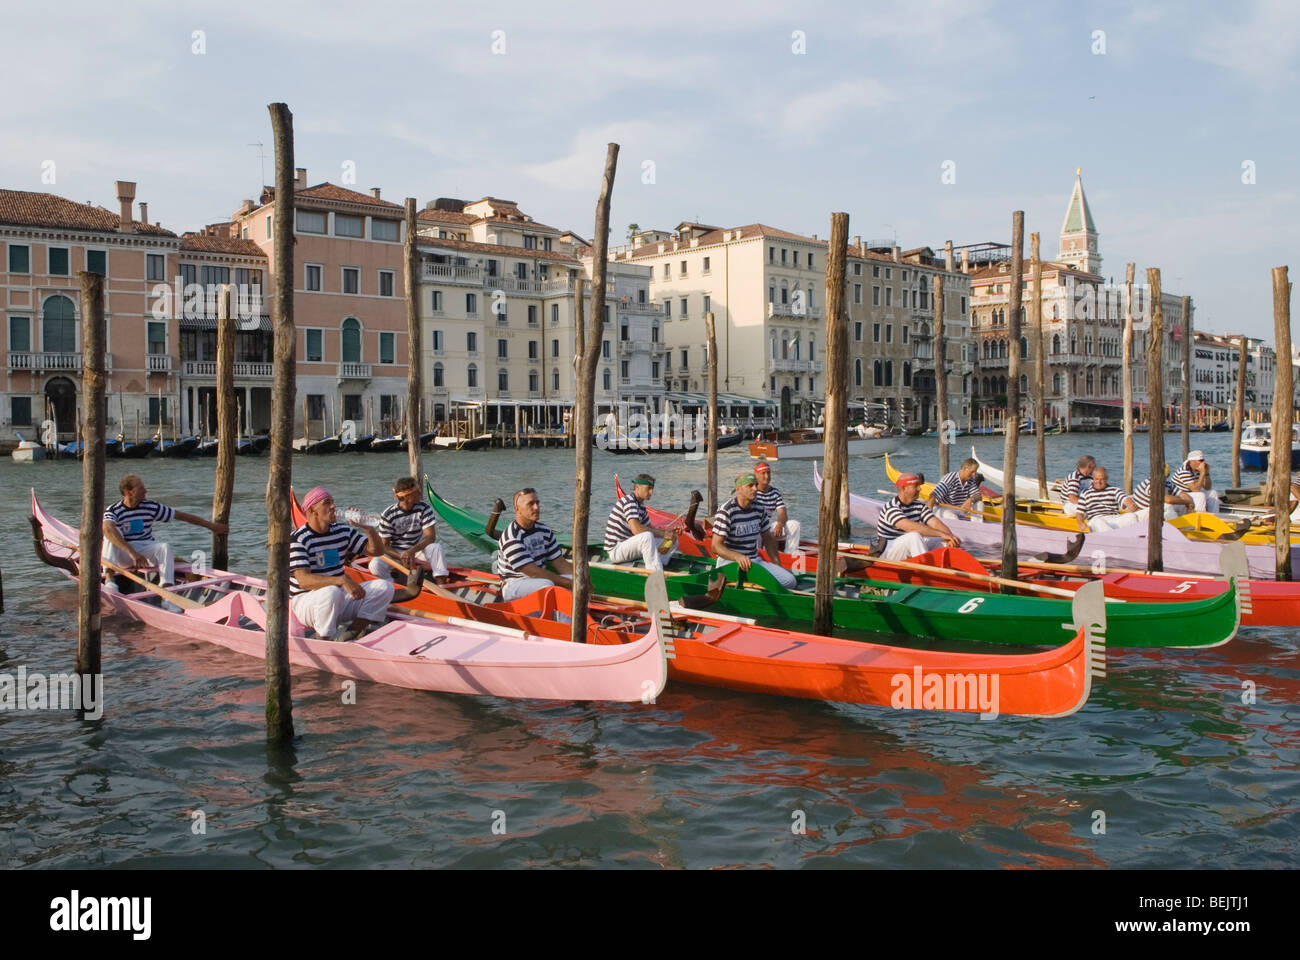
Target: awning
(242, 325)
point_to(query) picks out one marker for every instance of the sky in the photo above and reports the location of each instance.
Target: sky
(924, 121)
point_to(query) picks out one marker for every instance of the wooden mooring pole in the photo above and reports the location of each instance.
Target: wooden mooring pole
(946, 436)
(588, 360)
(712, 440)
(95, 411)
(1011, 423)
(223, 489)
(414, 348)
(1187, 376)
(279, 697)
(1126, 364)
(836, 427)
(1279, 459)
(1239, 410)
(1040, 375)
(1156, 422)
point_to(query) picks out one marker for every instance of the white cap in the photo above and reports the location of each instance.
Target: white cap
(1195, 455)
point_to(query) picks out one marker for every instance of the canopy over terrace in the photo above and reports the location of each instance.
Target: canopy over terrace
(749, 414)
(530, 414)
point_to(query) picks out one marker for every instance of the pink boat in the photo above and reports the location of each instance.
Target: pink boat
(406, 652)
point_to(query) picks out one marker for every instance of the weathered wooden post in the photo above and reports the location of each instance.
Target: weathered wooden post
(941, 375)
(223, 489)
(1239, 411)
(836, 428)
(1040, 376)
(1126, 362)
(1012, 421)
(1187, 376)
(1279, 459)
(710, 333)
(279, 698)
(415, 347)
(587, 361)
(95, 411)
(1156, 421)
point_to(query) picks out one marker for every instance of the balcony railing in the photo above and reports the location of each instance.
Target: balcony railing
(511, 284)
(354, 371)
(448, 273)
(159, 362)
(787, 310)
(243, 370)
(45, 362)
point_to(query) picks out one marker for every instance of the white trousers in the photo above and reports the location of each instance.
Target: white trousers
(793, 532)
(948, 513)
(1140, 516)
(324, 609)
(644, 545)
(1069, 509)
(783, 576)
(909, 545)
(156, 552)
(432, 555)
(1204, 501)
(512, 588)
(1113, 521)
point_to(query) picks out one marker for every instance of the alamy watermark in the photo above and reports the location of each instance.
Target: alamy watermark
(22, 691)
(659, 431)
(196, 301)
(928, 690)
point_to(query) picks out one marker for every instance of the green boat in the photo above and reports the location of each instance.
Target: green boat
(473, 526)
(902, 610)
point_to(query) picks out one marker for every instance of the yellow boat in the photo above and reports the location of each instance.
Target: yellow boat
(1208, 526)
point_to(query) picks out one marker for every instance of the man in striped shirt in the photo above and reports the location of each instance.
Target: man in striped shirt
(128, 530)
(1141, 499)
(1193, 479)
(628, 533)
(1103, 507)
(1077, 480)
(1295, 499)
(527, 547)
(908, 526)
(740, 525)
(322, 595)
(786, 531)
(410, 534)
(960, 489)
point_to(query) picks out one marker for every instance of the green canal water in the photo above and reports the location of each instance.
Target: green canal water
(1166, 756)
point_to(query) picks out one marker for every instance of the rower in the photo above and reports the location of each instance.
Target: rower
(526, 547)
(1079, 478)
(128, 530)
(1141, 499)
(410, 534)
(959, 489)
(322, 594)
(785, 530)
(628, 533)
(1193, 479)
(908, 526)
(739, 525)
(1103, 507)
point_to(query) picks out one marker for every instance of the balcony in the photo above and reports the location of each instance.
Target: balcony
(45, 362)
(159, 362)
(796, 366)
(511, 284)
(552, 287)
(354, 371)
(448, 273)
(243, 371)
(786, 311)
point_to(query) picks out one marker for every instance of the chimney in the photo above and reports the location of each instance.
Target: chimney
(299, 178)
(965, 261)
(947, 255)
(897, 254)
(374, 192)
(125, 196)
(144, 212)
(857, 242)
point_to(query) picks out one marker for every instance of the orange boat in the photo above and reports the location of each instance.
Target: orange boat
(740, 655)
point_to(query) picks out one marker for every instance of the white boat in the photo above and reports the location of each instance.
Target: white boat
(816, 449)
(1257, 444)
(27, 451)
(1026, 489)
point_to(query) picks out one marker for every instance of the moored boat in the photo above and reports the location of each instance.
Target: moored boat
(815, 449)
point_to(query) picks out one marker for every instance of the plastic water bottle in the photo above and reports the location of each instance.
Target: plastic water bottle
(358, 517)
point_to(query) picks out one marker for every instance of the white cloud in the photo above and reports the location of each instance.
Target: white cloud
(1260, 44)
(807, 118)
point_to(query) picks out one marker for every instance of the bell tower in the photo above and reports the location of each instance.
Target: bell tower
(1079, 233)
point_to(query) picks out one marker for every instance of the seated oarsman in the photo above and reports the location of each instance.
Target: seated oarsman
(960, 489)
(628, 533)
(1076, 480)
(908, 526)
(409, 530)
(740, 525)
(785, 530)
(1193, 479)
(1103, 507)
(1173, 500)
(128, 530)
(322, 595)
(526, 548)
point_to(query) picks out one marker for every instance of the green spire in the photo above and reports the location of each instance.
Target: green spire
(1078, 217)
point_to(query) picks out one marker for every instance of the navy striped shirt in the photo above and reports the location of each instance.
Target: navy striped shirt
(771, 501)
(403, 529)
(895, 510)
(520, 547)
(135, 524)
(1100, 503)
(617, 527)
(741, 528)
(324, 554)
(1185, 477)
(1142, 495)
(1073, 484)
(952, 489)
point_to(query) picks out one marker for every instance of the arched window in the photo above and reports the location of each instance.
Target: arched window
(1002, 349)
(857, 372)
(606, 379)
(785, 344)
(471, 376)
(877, 374)
(1056, 343)
(555, 379)
(437, 375)
(775, 355)
(503, 380)
(351, 335)
(986, 349)
(1002, 385)
(1024, 384)
(1056, 383)
(986, 385)
(907, 373)
(58, 326)
(889, 373)
(1024, 348)
(796, 348)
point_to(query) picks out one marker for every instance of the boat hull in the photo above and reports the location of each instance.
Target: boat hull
(858, 447)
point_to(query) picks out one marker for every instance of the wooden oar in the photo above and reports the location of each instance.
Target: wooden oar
(981, 578)
(166, 594)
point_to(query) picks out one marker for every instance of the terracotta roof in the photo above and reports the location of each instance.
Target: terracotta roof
(494, 249)
(203, 243)
(446, 216)
(1049, 266)
(328, 191)
(716, 236)
(21, 207)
